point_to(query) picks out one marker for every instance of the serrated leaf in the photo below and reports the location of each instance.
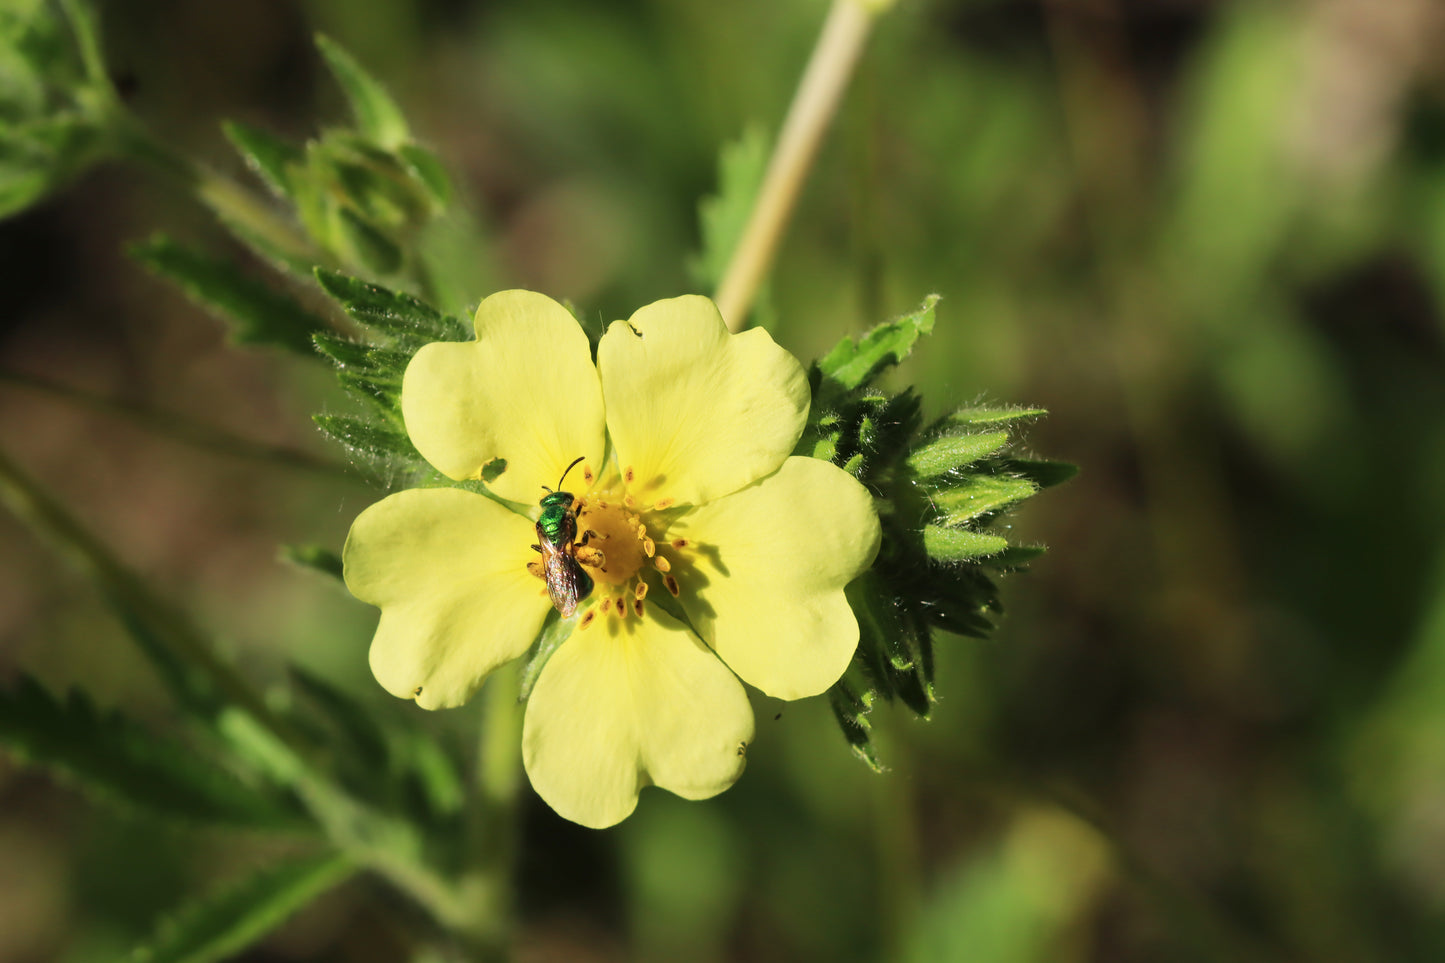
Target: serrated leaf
(344, 352)
(947, 544)
(723, 216)
(365, 438)
(313, 557)
(945, 454)
(227, 922)
(109, 755)
(386, 395)
(852, 364)
(268, 156)
(258, 314)
(408, 320)
(977, 494)
(376, 114)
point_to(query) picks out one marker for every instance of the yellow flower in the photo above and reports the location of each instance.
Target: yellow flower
(712, 548)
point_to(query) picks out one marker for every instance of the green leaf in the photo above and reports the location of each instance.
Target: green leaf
(950, 452)
(258, 314)
(377, 115)
(978, 494)
(1044, 474)
(408, 321)
(366, 439)
(976, 416)
(851, 710)
(227, 922)
(313, 557)
(723, 216)
(427, 171)
(367, 245)
(853, 364)
(947, 544)
(113, 758)
(269, 156)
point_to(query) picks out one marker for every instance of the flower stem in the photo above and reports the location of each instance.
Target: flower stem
(814, 104)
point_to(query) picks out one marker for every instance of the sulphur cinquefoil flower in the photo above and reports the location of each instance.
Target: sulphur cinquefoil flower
(715, 554)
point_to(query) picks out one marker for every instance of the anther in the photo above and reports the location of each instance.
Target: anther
(640, 591)
(627, 474)
(679, 543)
(671, 584)
(649, 547)
(663, 565)
(604, 605)
(587, 619)
(637, 607)
(662, 504)
(629, 501)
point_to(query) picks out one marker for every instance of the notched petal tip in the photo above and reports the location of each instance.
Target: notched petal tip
(695, 411)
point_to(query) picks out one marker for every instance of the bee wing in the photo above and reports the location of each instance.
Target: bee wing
(567, 584)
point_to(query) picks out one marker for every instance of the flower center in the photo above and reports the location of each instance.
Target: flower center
(617, 546)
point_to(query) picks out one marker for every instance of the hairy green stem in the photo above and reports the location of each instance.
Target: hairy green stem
(814, 104)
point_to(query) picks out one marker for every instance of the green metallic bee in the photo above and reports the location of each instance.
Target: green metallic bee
(567, 583)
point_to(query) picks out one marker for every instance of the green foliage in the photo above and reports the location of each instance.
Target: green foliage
(377, 116)
(57, 108)
(117, 761)
(938, 489)
(257, 313)
(723, 216)
(372, 370)
(315, 558)
(228, 921)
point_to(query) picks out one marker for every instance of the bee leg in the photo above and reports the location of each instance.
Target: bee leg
(589, 534)
(537, 549)
(586, 555)
(536, 569)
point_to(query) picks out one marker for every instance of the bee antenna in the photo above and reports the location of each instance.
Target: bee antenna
(569, 468)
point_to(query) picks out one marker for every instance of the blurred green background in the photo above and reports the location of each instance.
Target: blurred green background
(1208, 236)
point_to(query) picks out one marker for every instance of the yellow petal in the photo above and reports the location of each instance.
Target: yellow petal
(448, 569)
(627, 703)
(525, 391)
(694, 411)
(763, 578)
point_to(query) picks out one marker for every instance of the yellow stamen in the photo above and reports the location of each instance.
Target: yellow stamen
(679, 543)
(663, 565)
(637, 606)
(671, 584)
(587, 619)
(649, 548)
(640, 591)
